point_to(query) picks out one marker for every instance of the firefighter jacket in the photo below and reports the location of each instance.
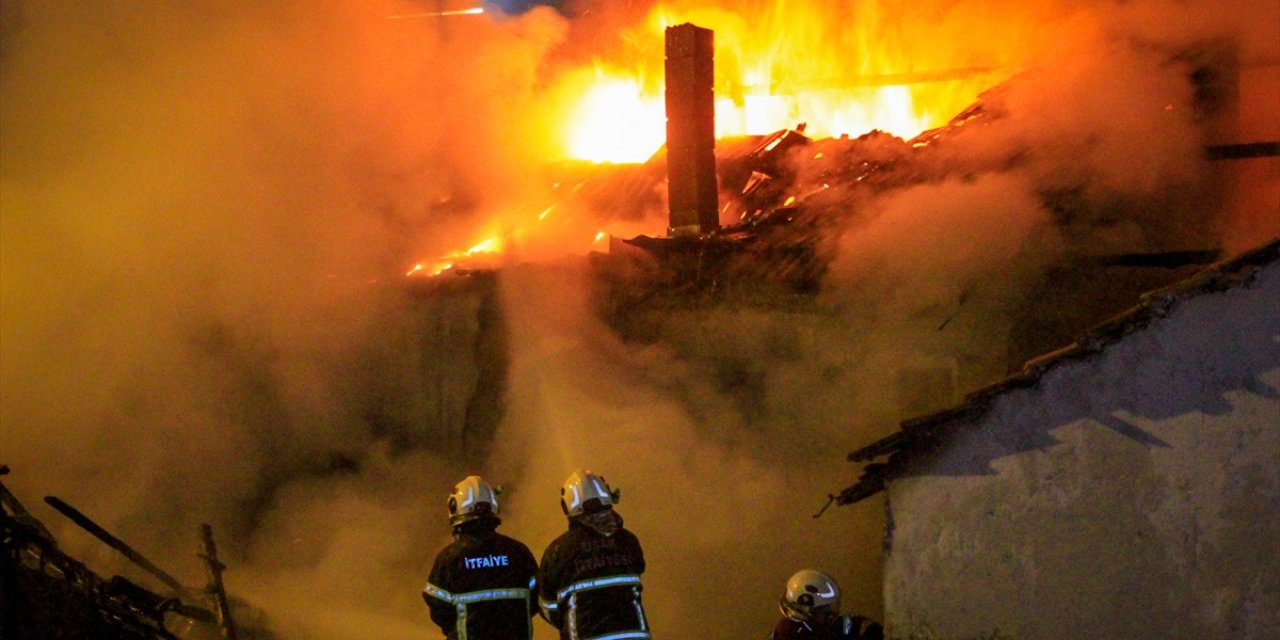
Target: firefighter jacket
(482, 585)
(836, 628)
(589, 581)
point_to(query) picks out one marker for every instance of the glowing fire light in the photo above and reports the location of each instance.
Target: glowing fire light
(616, 122)
(489, 247)
(440, 14)
(775, 68)
(880, 65)
(492, 245)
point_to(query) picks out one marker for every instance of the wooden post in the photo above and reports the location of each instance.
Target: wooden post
(214, 567)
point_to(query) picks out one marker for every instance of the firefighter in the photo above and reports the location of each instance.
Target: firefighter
(589, 578)
(811, 610)
(483, 584)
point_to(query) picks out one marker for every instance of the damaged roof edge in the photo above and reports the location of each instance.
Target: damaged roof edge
(919, 431)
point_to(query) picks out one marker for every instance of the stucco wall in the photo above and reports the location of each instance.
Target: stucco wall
(1133, 494)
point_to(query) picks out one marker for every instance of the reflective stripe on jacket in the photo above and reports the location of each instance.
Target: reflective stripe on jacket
(589, 581)
(481, 586)
(461, 600)
(572, 592)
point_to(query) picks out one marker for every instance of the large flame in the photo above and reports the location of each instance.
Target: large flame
(486, 248)
(616, 121)
(839, 67)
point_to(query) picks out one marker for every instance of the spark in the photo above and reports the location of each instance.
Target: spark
(440, 14)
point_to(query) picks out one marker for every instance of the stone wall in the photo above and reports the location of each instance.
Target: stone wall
(1134, 493)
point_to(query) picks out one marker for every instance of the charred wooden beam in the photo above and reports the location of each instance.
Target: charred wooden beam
(691, 131)
(114, 542)
(1164, 260)
(1243, 151)
(51, 595)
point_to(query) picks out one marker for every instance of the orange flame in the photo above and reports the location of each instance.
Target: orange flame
(839, 66)
(616, 121)
(776, 67)
(485, 248)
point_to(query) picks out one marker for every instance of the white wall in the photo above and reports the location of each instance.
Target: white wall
(1131, 494)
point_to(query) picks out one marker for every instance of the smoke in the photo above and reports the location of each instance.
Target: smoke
(206, 207)
(721, 495)
(721, 425)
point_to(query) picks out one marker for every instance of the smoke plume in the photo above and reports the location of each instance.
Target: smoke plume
(207, 209)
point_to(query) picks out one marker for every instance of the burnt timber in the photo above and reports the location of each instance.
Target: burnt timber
(48, 594)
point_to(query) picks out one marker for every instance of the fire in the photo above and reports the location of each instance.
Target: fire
(616, 121)
(838, 66)
(486, 248)
(834, 66)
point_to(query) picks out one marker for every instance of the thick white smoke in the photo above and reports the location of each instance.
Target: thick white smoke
(204, 208)
(206, 211)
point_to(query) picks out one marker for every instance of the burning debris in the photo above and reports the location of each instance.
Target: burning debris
(763, 205)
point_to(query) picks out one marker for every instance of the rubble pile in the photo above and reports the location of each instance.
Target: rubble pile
(50, 595)
(788, 197)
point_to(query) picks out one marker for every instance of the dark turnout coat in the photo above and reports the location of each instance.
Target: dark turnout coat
(837, 628)
(482, 585)
(589, 581)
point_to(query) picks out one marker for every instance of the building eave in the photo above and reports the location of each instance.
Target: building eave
(927, 431)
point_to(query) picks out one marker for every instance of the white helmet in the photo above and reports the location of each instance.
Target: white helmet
(472, 498)
(808, 591)
(586, 492)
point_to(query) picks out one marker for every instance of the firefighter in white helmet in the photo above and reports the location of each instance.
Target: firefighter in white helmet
(811, 610)
(483, 584)
(589, 578)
